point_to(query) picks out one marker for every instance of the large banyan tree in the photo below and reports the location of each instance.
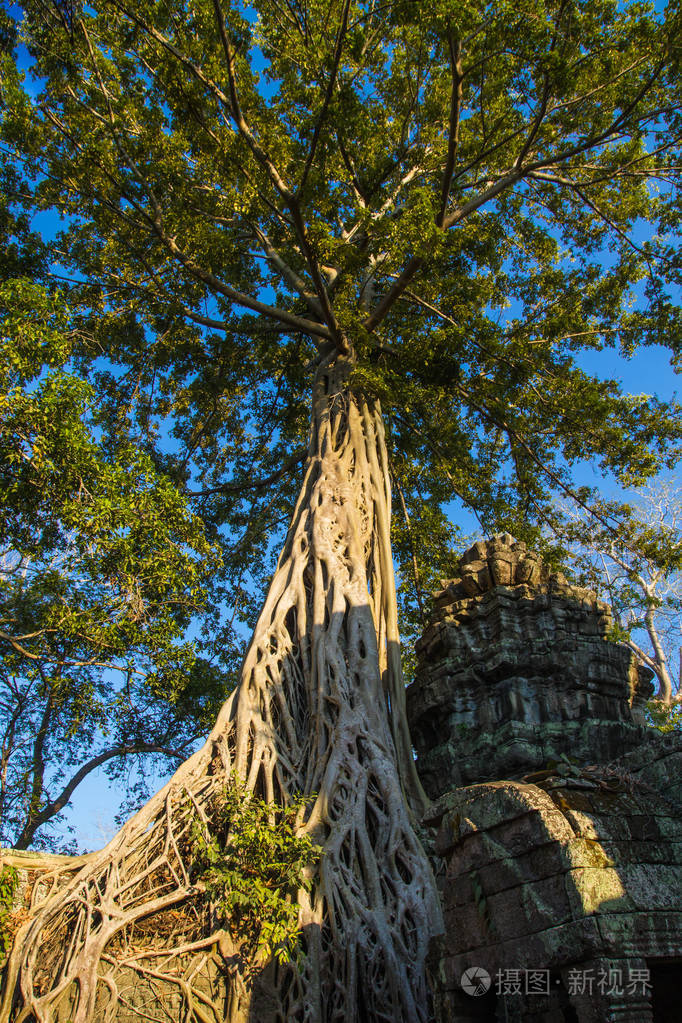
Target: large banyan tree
(328, 245)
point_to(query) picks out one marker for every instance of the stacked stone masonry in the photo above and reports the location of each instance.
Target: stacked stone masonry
(515, 669)
(558, 810)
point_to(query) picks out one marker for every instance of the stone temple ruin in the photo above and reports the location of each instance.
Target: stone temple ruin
(557, 811)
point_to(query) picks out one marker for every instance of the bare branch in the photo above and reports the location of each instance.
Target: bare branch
(249, 485)
(455, 50)
(340, 38)
(52, 808)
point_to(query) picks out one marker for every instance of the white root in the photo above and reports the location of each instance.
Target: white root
(320, 710)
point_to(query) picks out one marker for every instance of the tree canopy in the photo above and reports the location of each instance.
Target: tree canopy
(370, 241)
(103, 566)
(473, 193)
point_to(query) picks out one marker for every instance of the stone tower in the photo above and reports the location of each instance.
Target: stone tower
(557, 811)
(515, 669)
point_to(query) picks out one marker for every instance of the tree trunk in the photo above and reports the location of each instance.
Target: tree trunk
(659, 661)
(320, 710)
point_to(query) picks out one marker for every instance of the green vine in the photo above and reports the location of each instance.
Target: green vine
(9, 880)
(250, 867)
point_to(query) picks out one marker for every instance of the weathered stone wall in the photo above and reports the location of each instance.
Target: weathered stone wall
(585, 874)
(565, 856)
(514, 670)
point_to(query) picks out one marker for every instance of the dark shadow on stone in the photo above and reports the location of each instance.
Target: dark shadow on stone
(666, 984)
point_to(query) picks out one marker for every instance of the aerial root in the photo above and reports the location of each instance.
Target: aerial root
(311, 717)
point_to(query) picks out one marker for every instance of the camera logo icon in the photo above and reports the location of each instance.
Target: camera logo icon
(475, 981)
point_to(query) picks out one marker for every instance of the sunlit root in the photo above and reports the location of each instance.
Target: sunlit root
(319, 711)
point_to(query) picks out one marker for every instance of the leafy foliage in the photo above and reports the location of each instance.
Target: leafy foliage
(664, 716)
(8, 886)
(486, 166)
(250, 865)
(103, 569)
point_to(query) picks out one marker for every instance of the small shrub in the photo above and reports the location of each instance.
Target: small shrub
(250, 869)
(666, 717)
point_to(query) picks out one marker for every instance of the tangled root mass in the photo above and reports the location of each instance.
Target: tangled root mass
(320, 710)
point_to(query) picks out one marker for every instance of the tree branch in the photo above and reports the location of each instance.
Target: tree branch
(287, 272)
(455, 49)
(262, 484)
(340, 37)
(274, 312)
(284, 191)
(56, 805)
(234, 107)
